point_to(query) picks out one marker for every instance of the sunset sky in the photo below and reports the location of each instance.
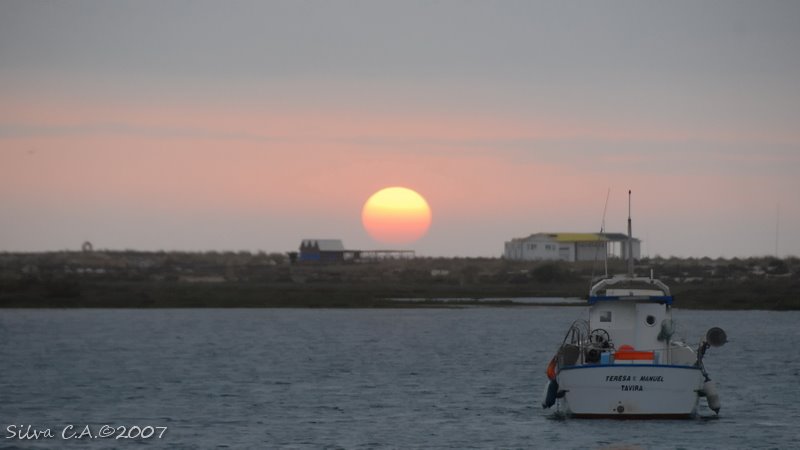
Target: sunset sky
(211, 125)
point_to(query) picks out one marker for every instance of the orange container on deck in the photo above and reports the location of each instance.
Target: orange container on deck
(627, 353)
(637, 356)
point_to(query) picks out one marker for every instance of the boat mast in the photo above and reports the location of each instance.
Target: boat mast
(603, 230)
(630, 239)
(777, 225)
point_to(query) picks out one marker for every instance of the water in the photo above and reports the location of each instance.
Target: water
(404, 378)
(555, 301)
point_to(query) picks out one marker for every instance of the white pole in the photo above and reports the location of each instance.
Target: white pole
(630, 239)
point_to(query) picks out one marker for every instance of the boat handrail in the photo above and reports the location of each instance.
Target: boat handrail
(609, 282)
(577, 331)
(667, 299)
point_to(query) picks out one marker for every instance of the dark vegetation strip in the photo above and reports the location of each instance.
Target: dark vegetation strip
(178, 280)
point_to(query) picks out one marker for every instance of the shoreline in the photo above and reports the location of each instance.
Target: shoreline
(173, 294)
(132, 279)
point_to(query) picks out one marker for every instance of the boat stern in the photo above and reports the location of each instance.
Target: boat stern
(630, 391)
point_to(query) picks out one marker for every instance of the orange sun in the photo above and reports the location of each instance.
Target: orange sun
(396, 215)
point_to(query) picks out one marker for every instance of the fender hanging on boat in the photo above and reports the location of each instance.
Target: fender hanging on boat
(710, 391)
(552, 368)
(550, 394)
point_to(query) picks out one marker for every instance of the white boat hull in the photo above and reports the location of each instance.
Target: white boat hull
(630, 391)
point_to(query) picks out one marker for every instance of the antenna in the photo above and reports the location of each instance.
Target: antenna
(630, 239)
(604, 241)
(603, 230)
(777, 225)
(605, 208)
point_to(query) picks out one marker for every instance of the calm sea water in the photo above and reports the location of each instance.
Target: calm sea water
(404, 378)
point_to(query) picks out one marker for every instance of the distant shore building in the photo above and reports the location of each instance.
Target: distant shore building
(324, 250)
(332, 250)
(570, 247)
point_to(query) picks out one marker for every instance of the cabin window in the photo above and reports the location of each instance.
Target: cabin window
(605, 316)
(650, 320)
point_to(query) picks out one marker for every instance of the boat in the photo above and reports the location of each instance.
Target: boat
(623, 362)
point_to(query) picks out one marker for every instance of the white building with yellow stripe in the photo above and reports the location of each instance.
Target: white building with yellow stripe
(570, 247)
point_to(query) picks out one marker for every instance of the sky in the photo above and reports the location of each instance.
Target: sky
(251, 125)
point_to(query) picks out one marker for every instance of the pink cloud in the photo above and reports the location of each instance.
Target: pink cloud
(299, 163)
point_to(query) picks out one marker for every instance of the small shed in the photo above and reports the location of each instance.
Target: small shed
(324, 250)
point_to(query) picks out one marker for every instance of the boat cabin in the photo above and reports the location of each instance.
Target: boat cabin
(633, 315)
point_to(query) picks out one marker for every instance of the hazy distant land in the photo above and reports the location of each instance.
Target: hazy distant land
(115, 279)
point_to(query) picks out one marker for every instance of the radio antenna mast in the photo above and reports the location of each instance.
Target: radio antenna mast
(777, 225)
(603, 230)
(603, 241)
(630, 239)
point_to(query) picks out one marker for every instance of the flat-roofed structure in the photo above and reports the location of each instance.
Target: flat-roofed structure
(570, 247)
(332, 250)
(323, 250)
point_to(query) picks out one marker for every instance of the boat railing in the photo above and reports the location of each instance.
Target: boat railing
(577, 332)
(612, 282)
(590, 353)
(572, 349)
(581, 347)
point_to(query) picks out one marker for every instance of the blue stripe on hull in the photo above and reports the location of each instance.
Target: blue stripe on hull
(666, 299)
(600, 366)
(634, 416)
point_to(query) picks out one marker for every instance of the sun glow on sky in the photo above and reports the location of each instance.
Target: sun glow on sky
(396, 215)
